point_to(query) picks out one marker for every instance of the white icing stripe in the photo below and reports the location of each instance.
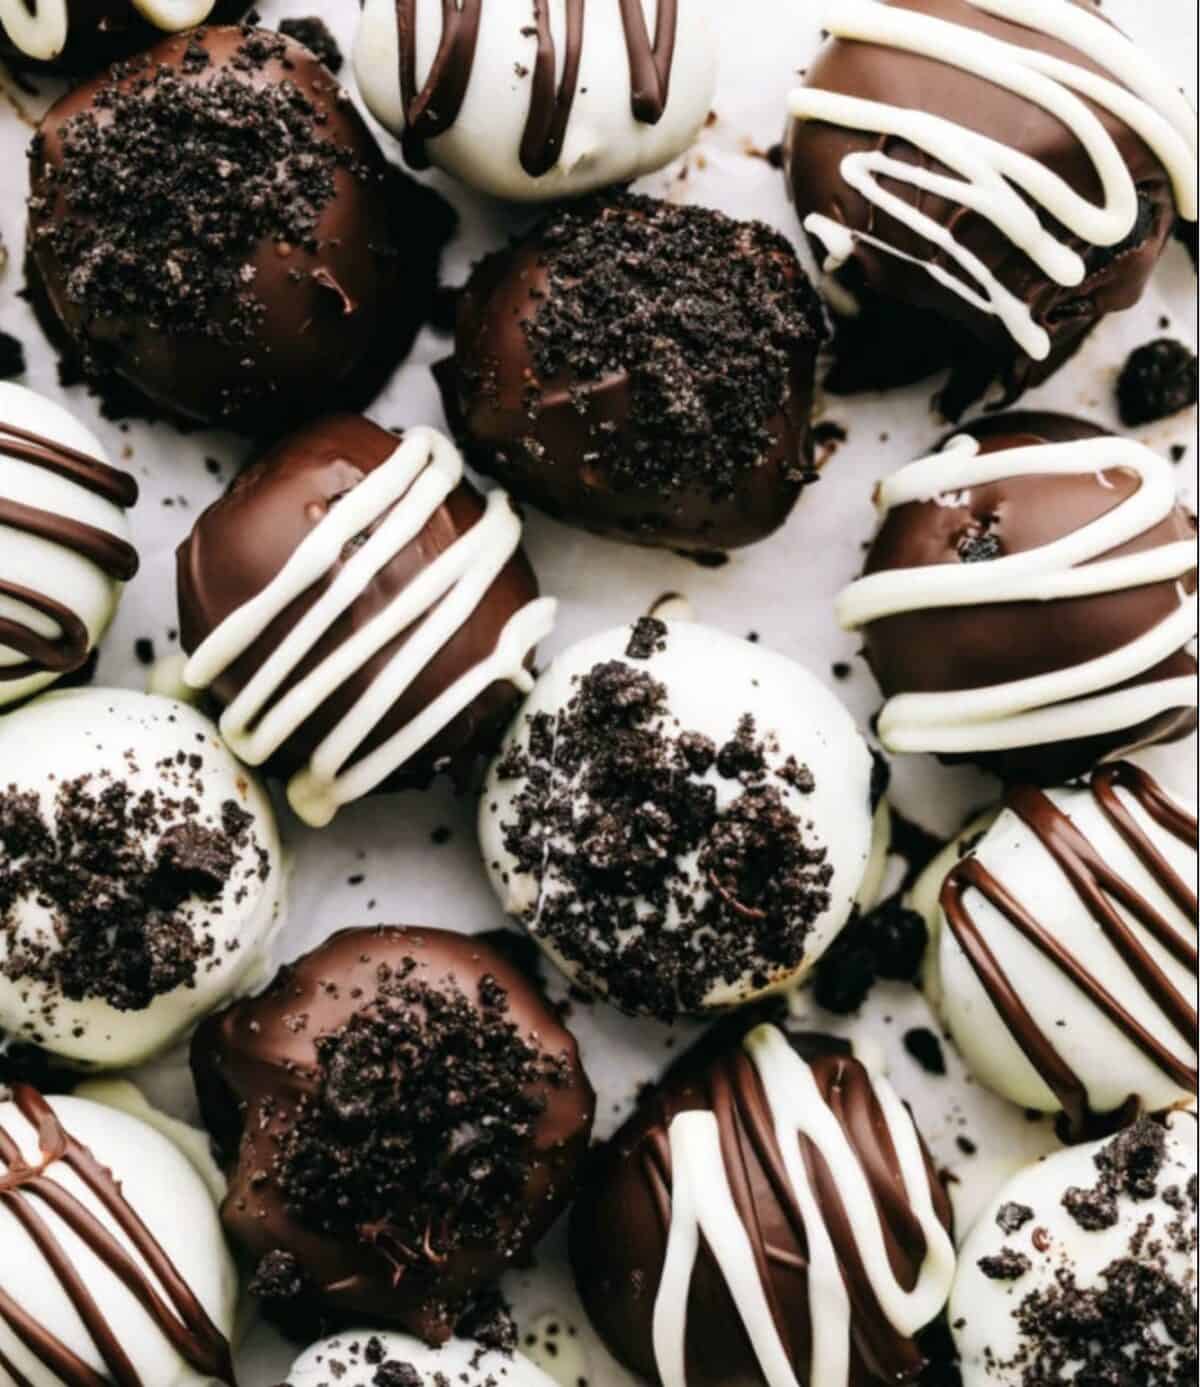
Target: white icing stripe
(702, 1203)
(1082, 700)
(43, 34)
(404, 493)
(994, 180)
(171, 16)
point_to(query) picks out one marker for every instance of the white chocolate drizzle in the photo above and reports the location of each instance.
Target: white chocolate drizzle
(703, 1205)
(1082, 700)
(41, 33)
(401, 496)
(994, 180)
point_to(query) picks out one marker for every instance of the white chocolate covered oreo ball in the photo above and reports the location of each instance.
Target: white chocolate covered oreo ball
(537, 102)
(1084, 1268)
(361, 1358)
(140, 874)
(112, 1264)
(681, 819)
(1063, 949)
(65, 551)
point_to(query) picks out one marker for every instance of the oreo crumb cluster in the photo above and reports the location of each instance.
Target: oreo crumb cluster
(1158, 380)
(364, 1359)
(681, 819)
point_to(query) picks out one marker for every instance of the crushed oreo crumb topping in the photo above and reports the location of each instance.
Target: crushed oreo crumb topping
(1159, 379)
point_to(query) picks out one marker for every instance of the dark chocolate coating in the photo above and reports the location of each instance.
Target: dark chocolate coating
(253, 1063)
(538, 438)
(620, 1225)
(243, 541)
(100, 32)
(904, 301)
(326, 312)
(943, 649)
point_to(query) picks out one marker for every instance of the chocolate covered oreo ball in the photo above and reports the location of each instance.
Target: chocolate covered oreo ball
(401, 1114)
(112, 1264)
(983, 182)
(682, 820)
(1063, 949)
(537, 102)
(360, 1358)
(642, 370)
(247, 273)
(84, 35)
(364, 617)
(65, 551)
(141, 881)
(1029, 600)
(1084, 1267)
(768, 1215)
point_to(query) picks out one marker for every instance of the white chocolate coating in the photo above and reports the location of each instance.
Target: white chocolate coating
(604, 142)
(994, 180)
(161, 1186)
(995, 1351)
(342, 1362)
(711, 680)
(43, 33)
(400, 497)
(35, 562)
(703, 1205)
(119, 735)
(1101, 1054)
(1080, 701)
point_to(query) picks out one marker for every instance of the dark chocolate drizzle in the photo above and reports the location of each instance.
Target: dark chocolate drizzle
(434, 108)
(183, 1322)
(113, 556)
(1098, 886)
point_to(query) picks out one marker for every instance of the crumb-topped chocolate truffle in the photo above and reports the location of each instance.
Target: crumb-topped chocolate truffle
(1063, 949)
(141, 880)
(84, 35)
(363, 615)
(538, 102)
(642, 370)
(1084, 1268)
(1029, 600)
(681, 819)
(214, 223)
(984, 182)
(65, 550)
(768, 1215)
(360, 1358)
(401, 1115)
(112, 1264)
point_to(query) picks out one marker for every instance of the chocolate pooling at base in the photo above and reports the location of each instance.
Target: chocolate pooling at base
(642, 370)
(401, 1115)
(769, 1214)
(27, 1194)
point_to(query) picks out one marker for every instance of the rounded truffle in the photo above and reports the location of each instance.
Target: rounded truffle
(83, 35)
(402, 1115)
(682, 820)
(1029, 600)
(947, 157)
(65, 549)
(364, 617)
(112, 1263)
(769, 1214)
(248, 275)
(1085, 1266)
(536, 104)
(141, 882)
(1063, 949)
(360, 1358)
(642, 370)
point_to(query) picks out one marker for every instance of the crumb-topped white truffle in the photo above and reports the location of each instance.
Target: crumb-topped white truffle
(361, 1358)
(140, 878)
(537, 102)
(1084, 1267)
(65, 551)
(112, 1263)
(681, 819)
